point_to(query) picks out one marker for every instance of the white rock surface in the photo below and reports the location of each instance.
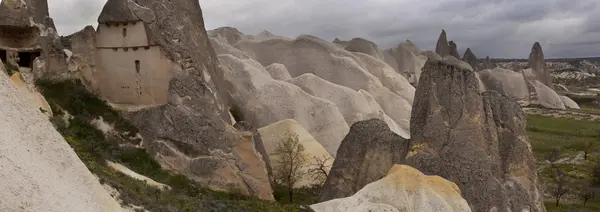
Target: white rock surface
(404, 189)
(569, 103)
(408, 60)
(353, 105)
(34, 97)
(547, 97)
(39, 170)
(276, 132)
(264, 101)
(505, 81)
(278, 71)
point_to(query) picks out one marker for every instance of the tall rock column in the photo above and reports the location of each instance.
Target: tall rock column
(471, 59)
(442, 48)
(453, 50)
(475, 140)
(538, 64)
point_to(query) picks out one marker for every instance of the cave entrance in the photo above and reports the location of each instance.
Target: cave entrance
(3, 56)
(26, 59)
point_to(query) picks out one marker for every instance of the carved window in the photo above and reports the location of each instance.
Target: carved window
(137, 66)
(124, 32)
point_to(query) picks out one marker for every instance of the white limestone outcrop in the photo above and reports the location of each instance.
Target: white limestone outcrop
(404, 189)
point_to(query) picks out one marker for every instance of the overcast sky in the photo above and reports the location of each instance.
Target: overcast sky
(498, 28)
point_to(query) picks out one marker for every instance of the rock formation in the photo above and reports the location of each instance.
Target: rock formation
(569, 103)
(40, 171)
(278, 71)
(538, 64)
(487, 64)
(190, 133)
(261, 99)
(32, 95)
(83, 59)
(477, 141)
(442, 48)
(453, 50)
(277, 132)
(26, 28)
(506, 82)
(330, 62)
(364, 46)
(408, 60)
(365, 155)
(471, 59)
(259, 145)
(353, 105)
(402, 189)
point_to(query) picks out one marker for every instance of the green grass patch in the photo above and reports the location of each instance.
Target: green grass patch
(94, 147)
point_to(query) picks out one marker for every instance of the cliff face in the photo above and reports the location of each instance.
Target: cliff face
(40, 171)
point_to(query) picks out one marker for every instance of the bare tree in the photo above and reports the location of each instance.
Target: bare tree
(289, 164)
(553, 155)
(587, 192)
(561, 185)
(320, 168)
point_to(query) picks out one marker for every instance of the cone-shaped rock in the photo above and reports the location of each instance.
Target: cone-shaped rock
(537, 63)
(477, 141)
(453, 50)
(365, 155)
(442, 48)
(471, 59)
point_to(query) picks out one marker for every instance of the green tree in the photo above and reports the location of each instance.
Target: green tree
(290, 162)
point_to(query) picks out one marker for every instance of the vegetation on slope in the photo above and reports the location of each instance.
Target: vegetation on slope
(94, 147)
(565, 141)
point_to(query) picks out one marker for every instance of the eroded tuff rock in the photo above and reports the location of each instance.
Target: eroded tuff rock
(275, 133)
(364, 46)
(258, 143)
(477, 141)
(538, 64)
(402, 189)
(51, 178)
(353, 105)
(471, 59)
(365, 155)
(506, 82)
(442, 47)
(263, 101)
(453, 50)
(191, 134)
(31, 18)
(487, 63)
(408, 60)
(569, 103)
(308, 54)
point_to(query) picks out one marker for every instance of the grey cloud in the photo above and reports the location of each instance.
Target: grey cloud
(498, 28)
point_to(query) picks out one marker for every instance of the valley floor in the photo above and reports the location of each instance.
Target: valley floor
(567, 134)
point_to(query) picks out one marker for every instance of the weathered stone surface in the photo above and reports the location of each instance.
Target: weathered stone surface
(402, 189)
(365, 155)
(278, 71)
(259, 145)
(191, 134)
(83, 59)
(352, 104)
(264, 101)
(471, 59)
(477, 141)
(442, 47)
(431, 55)
(277, 132)
(538, 64)
(453, 50)
(505, 82)
(364, 46)
(569, 103)
(51, 178)
(408, 61)
(16, 13)
(34, 97)
(547, 97)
